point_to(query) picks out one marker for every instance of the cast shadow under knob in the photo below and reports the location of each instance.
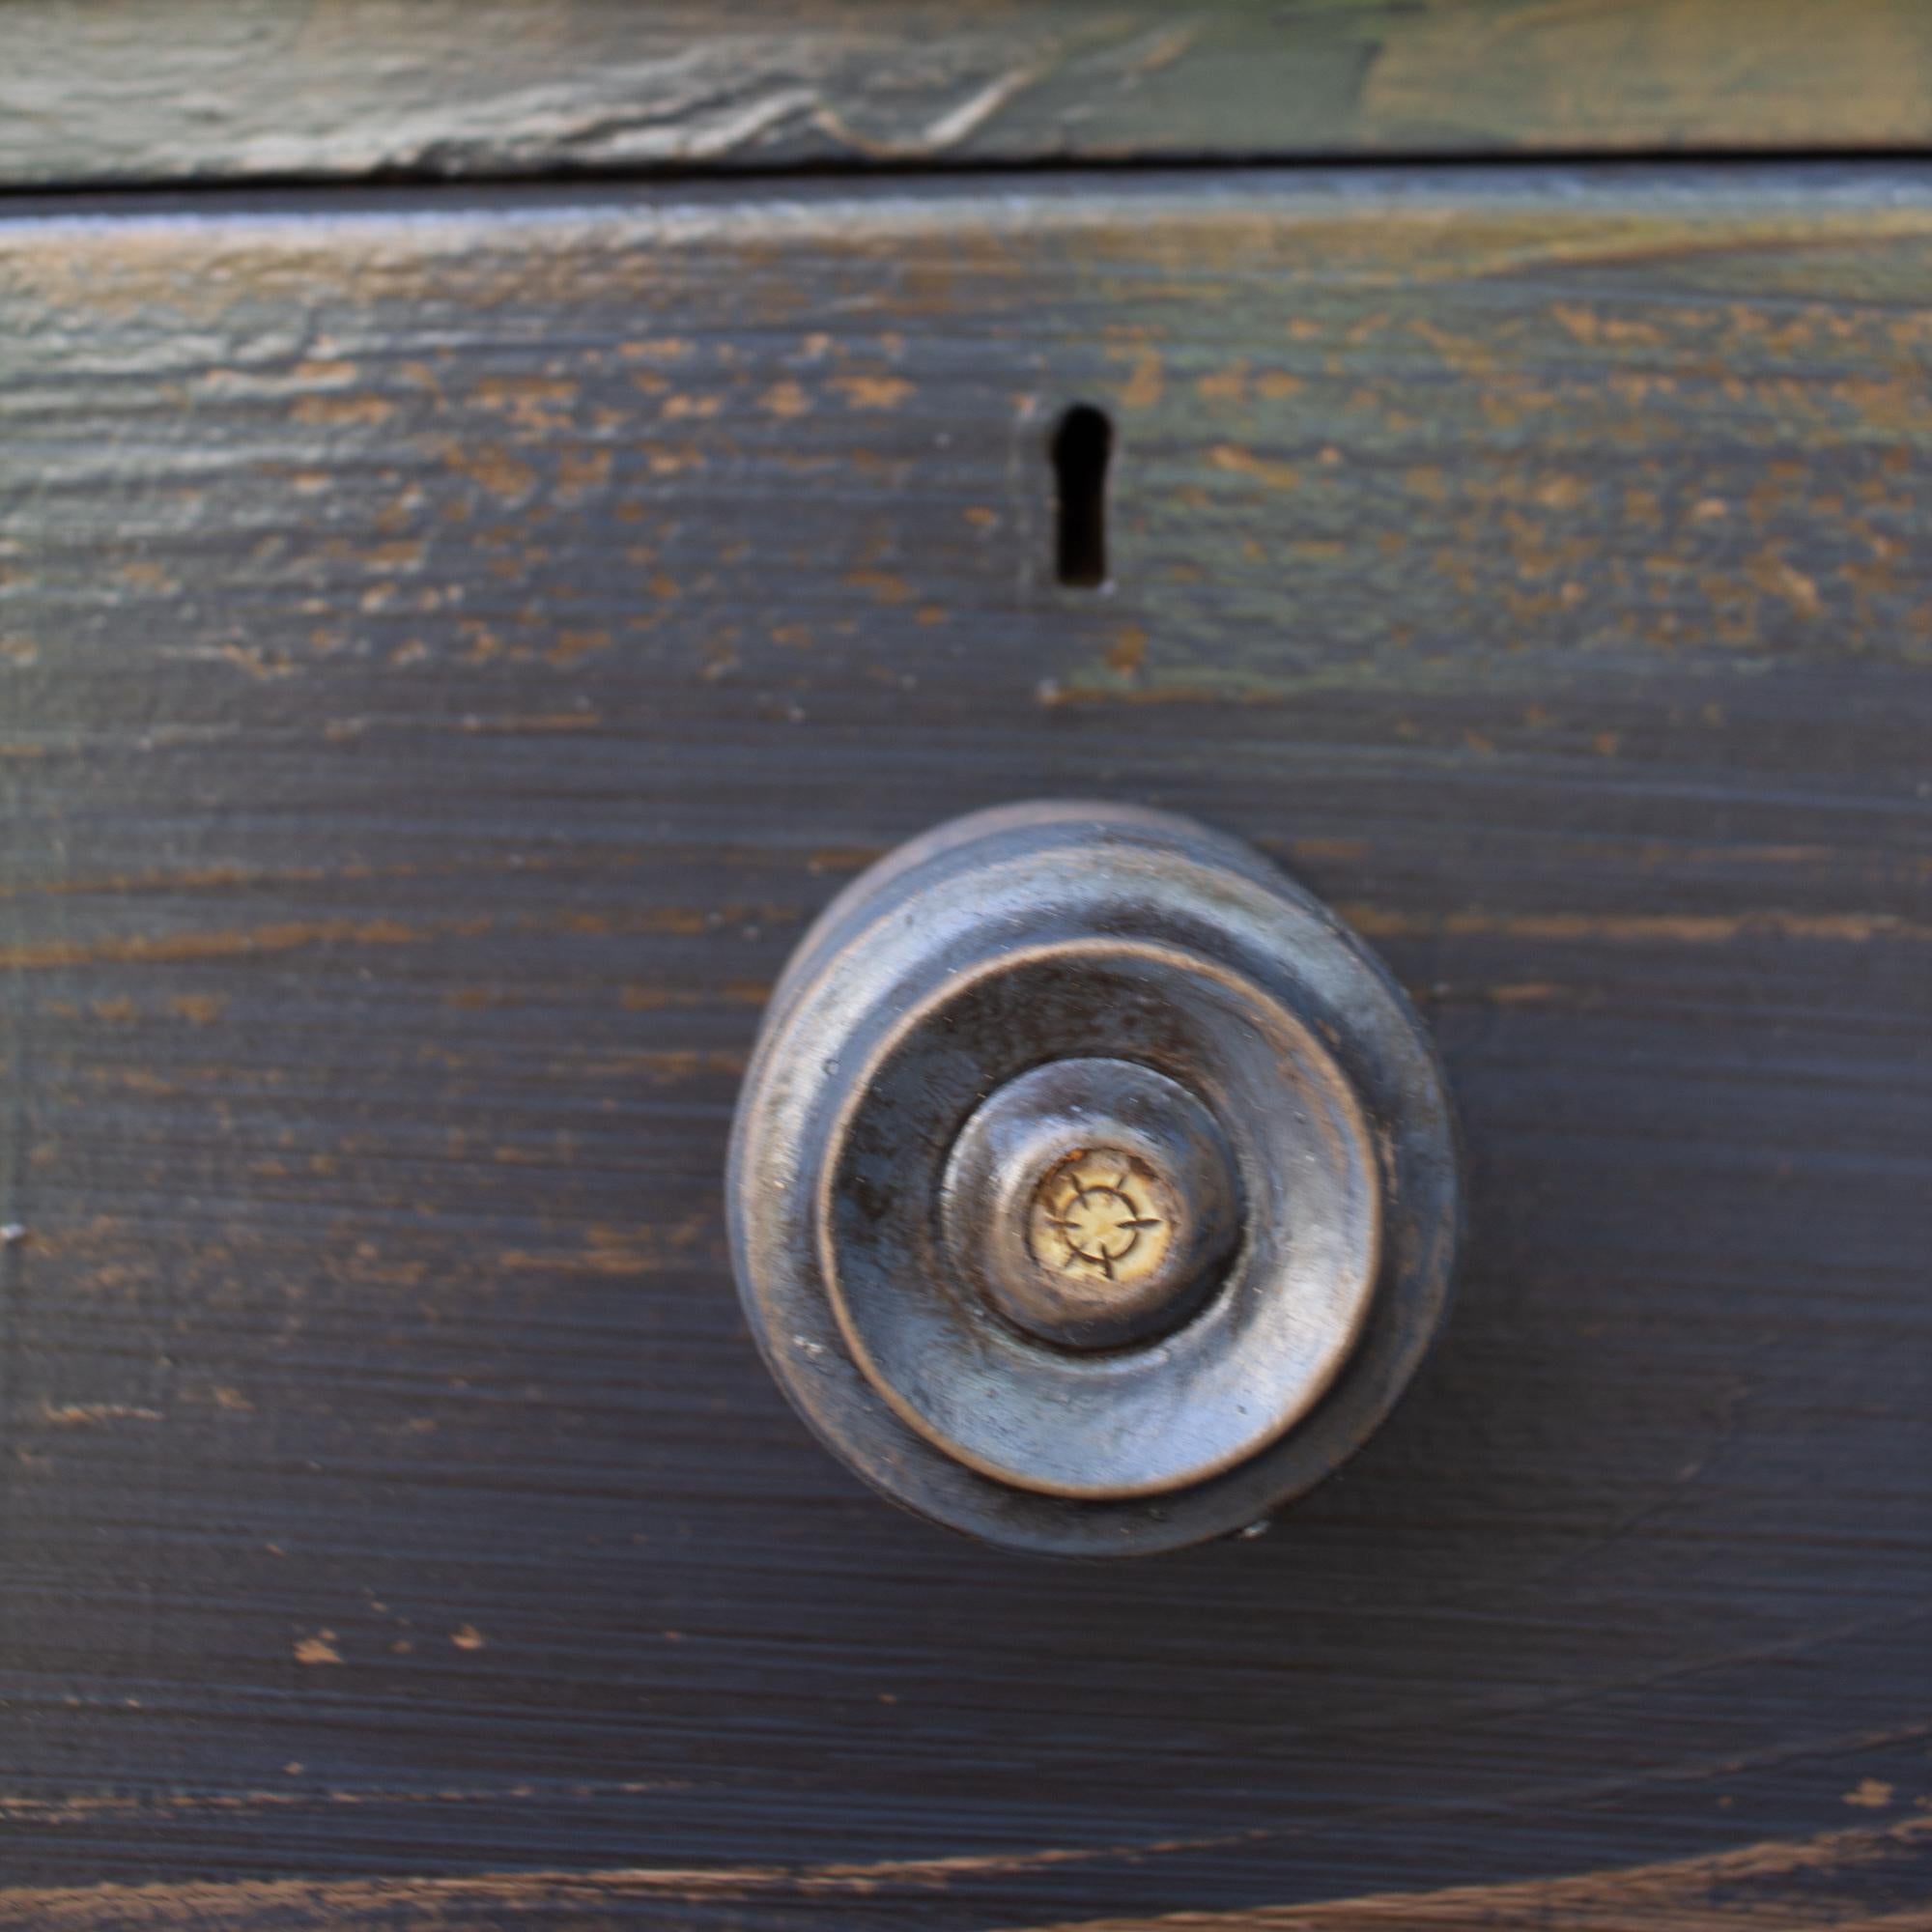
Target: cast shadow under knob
(1093, 1187)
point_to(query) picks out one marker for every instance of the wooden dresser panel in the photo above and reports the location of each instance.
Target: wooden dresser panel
(450, 647)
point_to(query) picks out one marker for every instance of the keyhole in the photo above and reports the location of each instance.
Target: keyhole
(1082, 443)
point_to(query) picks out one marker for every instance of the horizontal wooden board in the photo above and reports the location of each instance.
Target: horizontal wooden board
(447, 653)
(237, 89)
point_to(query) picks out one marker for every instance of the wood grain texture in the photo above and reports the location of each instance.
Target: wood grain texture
(446, 653)
(1839, 1880)
(114, 92)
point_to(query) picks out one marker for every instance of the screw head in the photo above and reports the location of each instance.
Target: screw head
(1095, 1214)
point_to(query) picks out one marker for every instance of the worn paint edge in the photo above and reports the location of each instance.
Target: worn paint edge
(1771, 1884)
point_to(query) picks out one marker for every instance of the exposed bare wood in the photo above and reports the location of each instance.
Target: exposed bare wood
(1818, 1884)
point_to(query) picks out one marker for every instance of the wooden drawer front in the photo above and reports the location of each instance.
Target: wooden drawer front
(445, 656)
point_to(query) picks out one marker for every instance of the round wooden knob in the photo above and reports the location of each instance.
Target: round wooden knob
(1093, 1188)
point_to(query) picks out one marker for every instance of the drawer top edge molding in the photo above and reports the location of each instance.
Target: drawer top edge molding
(348, 90)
